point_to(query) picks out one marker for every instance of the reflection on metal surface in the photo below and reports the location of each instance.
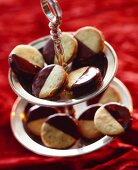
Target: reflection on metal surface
(13, 113)
(22, 116)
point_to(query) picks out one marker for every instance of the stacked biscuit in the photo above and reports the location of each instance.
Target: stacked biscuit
(39, 71)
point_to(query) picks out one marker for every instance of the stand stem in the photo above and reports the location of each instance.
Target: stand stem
(56, 36)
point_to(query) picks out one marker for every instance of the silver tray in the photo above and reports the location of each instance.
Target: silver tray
(110, 74)
(21, 135)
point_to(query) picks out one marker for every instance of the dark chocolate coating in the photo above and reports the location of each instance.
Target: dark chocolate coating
(24, 71)
(90, 80)
(83, 53)
(41, 50)
(86, 57)
(65, 123)
(40, 79)
(22, 67)
(89, 113)
(27, 107)
(26, 82)
(120, 113)
(49, 52)
(39, 112)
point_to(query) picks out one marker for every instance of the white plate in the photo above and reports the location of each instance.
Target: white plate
(21, 135)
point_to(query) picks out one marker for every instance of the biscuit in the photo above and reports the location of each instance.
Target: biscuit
(36, 115)
(91, 37)
(84, 80)
(86, 124)
(112, 119)
(59, 131)
(70, 47)
(109, 95)
(90, 49)
(49, 81)
(26, 60)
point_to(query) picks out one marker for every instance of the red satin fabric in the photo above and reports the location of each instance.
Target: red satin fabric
(23, 21)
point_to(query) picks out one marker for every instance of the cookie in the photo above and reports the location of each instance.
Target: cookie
(59, 131)
(109, 95)
(26, 60)
(70, 46)
(86, 124)
(90, 49)
(84, 80)
(91, 37)
(36, 115)
(50, 81)
(112, 119)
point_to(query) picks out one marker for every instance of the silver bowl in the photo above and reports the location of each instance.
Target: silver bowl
(21, 135)
(110, 74)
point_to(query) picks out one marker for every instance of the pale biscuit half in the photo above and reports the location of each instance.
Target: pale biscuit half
(110, 95)
(55, 138)
(54, 82)
(74, 76)
(88, 130)
(91, 37)
(35, 126)
(70, 46)
(29, 53)
(106, 123)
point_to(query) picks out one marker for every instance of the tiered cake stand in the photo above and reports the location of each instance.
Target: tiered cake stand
(79, 104)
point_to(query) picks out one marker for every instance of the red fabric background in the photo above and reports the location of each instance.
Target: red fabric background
(23, 21)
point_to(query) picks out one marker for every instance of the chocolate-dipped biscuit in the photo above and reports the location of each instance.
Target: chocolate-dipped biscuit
(109, 95)
(91, 37)
(112, 119)
(59, 131)
(84, 80)
(36, 115)
(26, 60)
(90, 49)
(69, 46)
(86, 124)
(49, 81)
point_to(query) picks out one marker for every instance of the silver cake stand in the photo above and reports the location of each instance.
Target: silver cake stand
(79, 104)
